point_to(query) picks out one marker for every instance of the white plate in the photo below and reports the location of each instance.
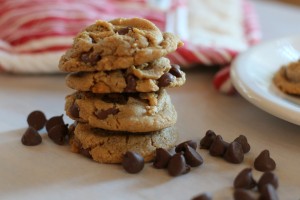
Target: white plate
(252, 73)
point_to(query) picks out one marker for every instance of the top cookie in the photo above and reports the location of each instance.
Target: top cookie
(117, 44)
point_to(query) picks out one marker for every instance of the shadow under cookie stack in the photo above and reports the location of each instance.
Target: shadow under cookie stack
(119, 72)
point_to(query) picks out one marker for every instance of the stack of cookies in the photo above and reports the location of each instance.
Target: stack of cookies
(119, 72)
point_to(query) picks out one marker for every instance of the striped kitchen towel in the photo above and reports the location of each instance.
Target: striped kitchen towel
(35, 33)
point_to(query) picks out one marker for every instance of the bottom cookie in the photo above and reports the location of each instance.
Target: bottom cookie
(109, 147)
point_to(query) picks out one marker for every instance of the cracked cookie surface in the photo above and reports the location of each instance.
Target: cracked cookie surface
(132, 112)
(287, 78)
(109, 147)
(148, 77)
(117, 44)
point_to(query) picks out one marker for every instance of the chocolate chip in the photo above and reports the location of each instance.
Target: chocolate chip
(31, 137)
(90, 58)
(162, 158)
(74, 110)
(175, 70)
(264, 162)
(244, 142)
(133, 162)
(177, 165)
(103, 114)
(165, 80)
(218, 147)
(207, 140)
(192, 157)
(36, 119)
(268, 178)
(244, 179)
(85, 152)
(78, 74)
(203, 196)
(115, 98)
(181, 147)
(53, 121)
(124, 31)
(268, 192)
(243, 194)
(234, 153)
(58, 134)
(131, 83)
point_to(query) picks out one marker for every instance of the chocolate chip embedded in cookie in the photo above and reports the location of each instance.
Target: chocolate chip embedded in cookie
(148, 77)
(117, 44)
(141, 112)
(287, 79)
(109, 147)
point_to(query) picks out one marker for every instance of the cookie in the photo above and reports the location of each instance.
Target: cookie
(147, 77)
(132, 112)
(109, 147)
(117, 44)
(287, 79)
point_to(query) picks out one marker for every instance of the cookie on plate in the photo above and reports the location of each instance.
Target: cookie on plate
(132, 112)
(117, 44)
(148, 77)
(287, 79)
(109, 147)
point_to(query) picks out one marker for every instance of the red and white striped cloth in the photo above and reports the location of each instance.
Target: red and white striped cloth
(35, 33)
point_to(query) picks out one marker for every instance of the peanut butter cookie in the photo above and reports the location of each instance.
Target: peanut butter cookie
(136, 112)
(109, 147)
(148, 77)
(287, 79)
(117, 44)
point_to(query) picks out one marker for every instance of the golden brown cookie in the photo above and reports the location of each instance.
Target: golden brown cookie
(287, 79)
(136, 112)
(117, 44)
(148, 77)
(109, 147)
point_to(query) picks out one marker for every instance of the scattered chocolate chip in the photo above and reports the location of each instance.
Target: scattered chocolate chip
(175, 70)
(244, 142)
(181, 147)
(103, 114)
(203, 196)
(31, 137)
(85, 152)
(124, 31)
(162, 158)
(234, 153)
(264, 162)
(192, 157)
(244, 179)
(243, 194)
(131, 83)
(218, 146)
(74, 110)
(268, 192)
(90, 58)
(133, 162)
(36, 119)
(268, 178)
(177, 165)
(53, 121)
(58, 134)
(165, 80)
(207, 140)
(115, 98)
